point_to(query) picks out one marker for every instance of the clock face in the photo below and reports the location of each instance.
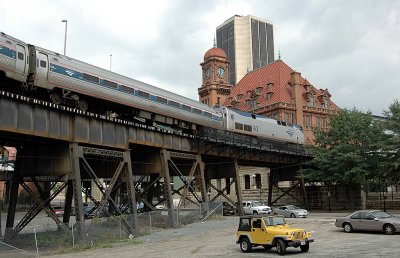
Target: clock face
(208, 73)
(220, 72)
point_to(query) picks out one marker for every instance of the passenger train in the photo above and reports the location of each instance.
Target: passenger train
(65, 80)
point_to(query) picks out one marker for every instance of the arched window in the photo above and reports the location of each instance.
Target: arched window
(246, 182)
(257, 181)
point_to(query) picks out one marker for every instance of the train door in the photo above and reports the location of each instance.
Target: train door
(21, 65)
(42, 70)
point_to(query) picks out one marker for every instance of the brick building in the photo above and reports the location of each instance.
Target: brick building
(274, 90)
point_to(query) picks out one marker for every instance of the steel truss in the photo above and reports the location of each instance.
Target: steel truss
(273, 182)
(41, 202)
(195, 176)
(121, 176)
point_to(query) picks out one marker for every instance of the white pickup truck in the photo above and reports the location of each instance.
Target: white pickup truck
(255, 207)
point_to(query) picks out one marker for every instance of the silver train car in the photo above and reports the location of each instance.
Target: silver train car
(62, 78)
(255, 125)
(65, 77)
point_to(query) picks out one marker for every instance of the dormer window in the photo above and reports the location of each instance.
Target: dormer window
(325, 103)
(269, 95)
(311, 100)
(239, 97)
(258, 90)
(248, 102)
(269, 85)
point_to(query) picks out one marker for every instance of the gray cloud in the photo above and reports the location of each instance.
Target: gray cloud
(349, 47)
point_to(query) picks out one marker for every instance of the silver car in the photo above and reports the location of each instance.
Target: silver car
(369, 220)
(291, 211)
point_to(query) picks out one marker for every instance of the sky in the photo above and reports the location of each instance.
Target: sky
(350, 47)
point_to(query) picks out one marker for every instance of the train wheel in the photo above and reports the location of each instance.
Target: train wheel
(55, 97)
(82, 104)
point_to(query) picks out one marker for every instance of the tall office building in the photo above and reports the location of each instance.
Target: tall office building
(248, 42)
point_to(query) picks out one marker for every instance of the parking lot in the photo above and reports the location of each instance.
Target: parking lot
(217, 238)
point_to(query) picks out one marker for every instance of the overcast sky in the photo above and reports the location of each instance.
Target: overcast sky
(350, 47)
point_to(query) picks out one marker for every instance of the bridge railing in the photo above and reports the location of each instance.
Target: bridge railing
(250, 142)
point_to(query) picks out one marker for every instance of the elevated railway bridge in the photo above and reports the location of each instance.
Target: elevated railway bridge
(60, 148)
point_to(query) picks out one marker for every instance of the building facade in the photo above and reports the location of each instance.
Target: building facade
(279, 92)
(248, 42)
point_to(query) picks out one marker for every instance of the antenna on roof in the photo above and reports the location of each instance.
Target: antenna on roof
(279, 55)
(215, 42)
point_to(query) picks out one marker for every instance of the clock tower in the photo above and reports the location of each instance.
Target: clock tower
(215, 87)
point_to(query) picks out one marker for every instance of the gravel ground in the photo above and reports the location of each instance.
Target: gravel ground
(217, 239)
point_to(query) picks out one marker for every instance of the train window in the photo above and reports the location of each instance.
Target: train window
(43, 64)
(207, 114)
(174, 104)
(247, 128)
(110, 84)
(186, 108)
(90, 78)
(161, 100)
(238, 126)
(143, 94)
(126, 89)
(197, 111)
(20, 56)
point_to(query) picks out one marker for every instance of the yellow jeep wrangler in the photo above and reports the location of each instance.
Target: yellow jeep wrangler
(270, 231)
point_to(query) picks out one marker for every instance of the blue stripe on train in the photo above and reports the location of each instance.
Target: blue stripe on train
(7, 52)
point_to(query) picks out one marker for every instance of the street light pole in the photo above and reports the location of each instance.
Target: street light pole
(65, 36)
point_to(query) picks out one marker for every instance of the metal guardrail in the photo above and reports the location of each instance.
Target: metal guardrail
(251, 142)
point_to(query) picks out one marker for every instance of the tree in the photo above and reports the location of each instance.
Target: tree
(348, 151)
(391, 149)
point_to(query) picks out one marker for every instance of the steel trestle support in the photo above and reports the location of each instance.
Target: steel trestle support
(123, 172)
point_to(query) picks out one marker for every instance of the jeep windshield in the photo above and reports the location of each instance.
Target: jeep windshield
(274, 221)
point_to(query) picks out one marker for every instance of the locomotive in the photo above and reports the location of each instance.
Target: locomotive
(64, 80)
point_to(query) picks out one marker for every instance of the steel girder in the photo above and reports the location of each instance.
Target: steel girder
(79, 155)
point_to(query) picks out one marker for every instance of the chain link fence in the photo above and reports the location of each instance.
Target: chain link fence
(37, 240)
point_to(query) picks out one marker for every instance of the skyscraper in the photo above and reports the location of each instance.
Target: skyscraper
(248, 42)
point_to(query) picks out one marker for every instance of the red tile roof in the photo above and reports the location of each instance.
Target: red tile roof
(276, 74)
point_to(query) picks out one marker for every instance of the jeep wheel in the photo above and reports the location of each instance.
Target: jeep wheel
(347, 228)
(292, 215)
(305, 248)
(255, 212)
(245, 245)
(389, 229)
(281, 247)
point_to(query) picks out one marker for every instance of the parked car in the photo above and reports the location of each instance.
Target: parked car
(89, 210)
(256, 207)
(227, 209)
(369, 220)
(160, 207)
(270, 231)
(58, 210)
(291, 211)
